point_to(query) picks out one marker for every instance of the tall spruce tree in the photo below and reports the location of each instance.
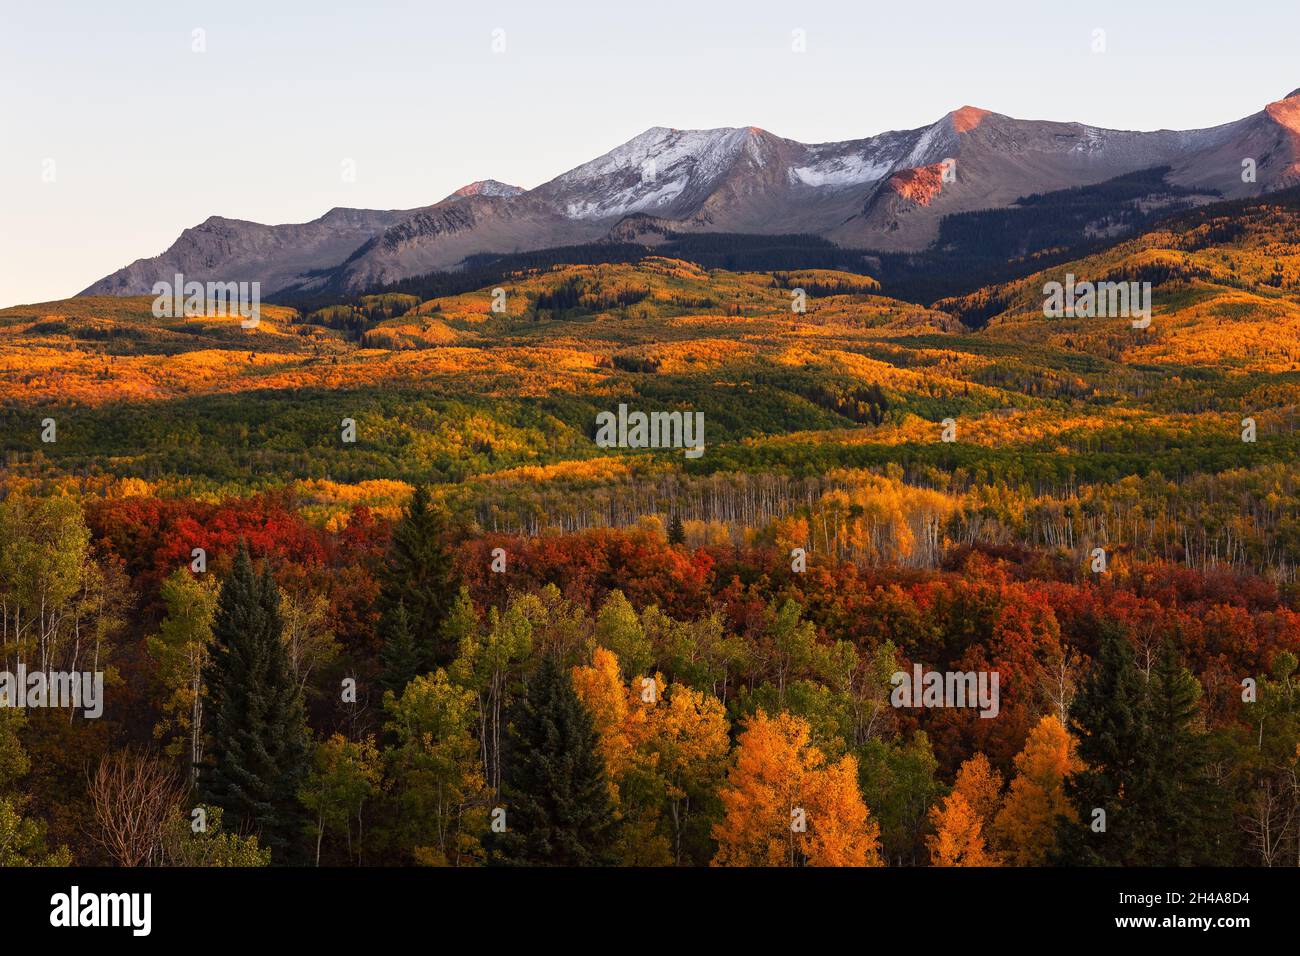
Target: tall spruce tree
(259, 751)
(1109, 719)
(399, 656)
(1146, 765)
(420, 576)
(1191, 827)
(558, 806)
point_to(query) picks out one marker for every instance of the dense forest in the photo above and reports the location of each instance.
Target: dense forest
(362, 587)
(413, 692)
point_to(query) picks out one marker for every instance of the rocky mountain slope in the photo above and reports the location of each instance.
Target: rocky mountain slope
(887, 192)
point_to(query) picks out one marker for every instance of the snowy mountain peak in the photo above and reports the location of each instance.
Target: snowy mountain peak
(487, 187)
(657, 171)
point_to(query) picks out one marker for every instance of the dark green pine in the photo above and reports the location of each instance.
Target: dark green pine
(558, 807)
(676, 530)
(1188, 815)
(420, 574)
(260, 747)
(400, 657)
(1109, 719)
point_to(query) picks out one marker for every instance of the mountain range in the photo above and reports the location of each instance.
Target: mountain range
(885, 193)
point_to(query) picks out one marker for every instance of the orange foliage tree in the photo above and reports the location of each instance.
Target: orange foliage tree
(981, 786)
(662, 751)
(1026, 825)
(784, 805)
(601, 691)
(958, 838)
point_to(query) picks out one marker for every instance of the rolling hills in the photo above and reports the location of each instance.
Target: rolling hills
(501, 406)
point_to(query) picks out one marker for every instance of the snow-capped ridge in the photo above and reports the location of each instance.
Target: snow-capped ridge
(656, 169)
(884, 192)
(486, 187)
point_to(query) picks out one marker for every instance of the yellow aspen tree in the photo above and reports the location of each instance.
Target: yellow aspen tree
(600, 688)
(958, 838)
(784, 806)
(688, 736)
(625, 721)
(981, 786)
(1025, 827)
(840, 831)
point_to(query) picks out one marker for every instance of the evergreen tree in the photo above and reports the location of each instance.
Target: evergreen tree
(558, 807)
(1146, 765)
(676, 530)
(420, 574)
(1181, 797)
(259, 751)
(399, 657)
(1109, 719)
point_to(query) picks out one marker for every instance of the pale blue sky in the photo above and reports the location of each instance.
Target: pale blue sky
(148, 137)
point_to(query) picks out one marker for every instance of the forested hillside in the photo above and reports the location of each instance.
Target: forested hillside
(367, 586)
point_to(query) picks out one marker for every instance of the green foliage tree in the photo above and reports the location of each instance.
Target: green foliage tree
(701, 652)
(789, 643)
(1269, 762)
(199, 840)
(343, 776)
(899, 785)
(1189, 826)
(489, 665)
(22, 839)
(861, 685)
(58, 606)
(1109, 717)
(437, 792)
(619, 629)
(180, 649)
(676, 530)
(1146, 764)
(399, 656)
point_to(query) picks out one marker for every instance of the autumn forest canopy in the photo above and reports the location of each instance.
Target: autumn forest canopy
(365, 587)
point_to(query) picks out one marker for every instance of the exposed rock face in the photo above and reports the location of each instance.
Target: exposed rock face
(1286, 114)
(221, 249)
(919, 185)
(886, 192)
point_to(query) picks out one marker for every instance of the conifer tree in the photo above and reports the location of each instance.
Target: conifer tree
(420, 575)
(1109, 719)
(676, 530)
(1146, 765)
(1181, 798)
(259, 750)
(399, 657)
(558, 806)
